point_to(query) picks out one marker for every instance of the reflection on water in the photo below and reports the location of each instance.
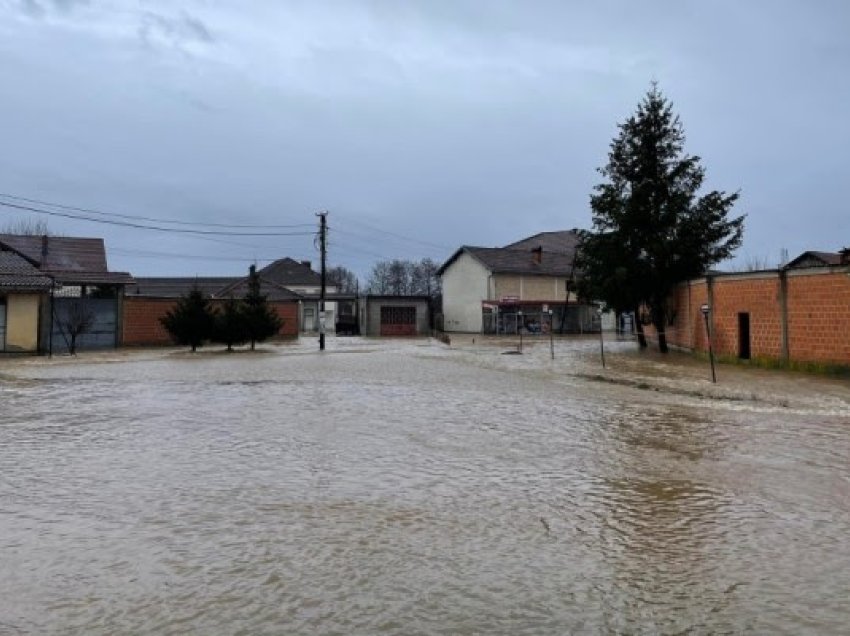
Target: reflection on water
(414, 488)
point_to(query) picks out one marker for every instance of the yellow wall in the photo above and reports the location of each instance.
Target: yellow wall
(531, 288)
(22, 322)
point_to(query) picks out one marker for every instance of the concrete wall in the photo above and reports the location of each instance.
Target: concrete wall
(141, 316)
(465, 286)
(803, 318)
(22, 322)
(372, 314)
(531, 288)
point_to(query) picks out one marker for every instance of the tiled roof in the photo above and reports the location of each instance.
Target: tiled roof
(270, 289)
(65, 254)
(174, 287)
(70, 260)
(500, 260)
(212, 287)
(564, 241)
(545, 254)
(815, 259)
(17, 273)
(288, 272)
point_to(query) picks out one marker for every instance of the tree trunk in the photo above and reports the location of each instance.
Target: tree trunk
(253, 342)
(194, 346)
(639, 327)
(72, 348)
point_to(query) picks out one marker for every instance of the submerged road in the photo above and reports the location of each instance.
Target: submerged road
(406, 487)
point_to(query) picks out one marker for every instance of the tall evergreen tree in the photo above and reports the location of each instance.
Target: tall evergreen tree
(652, 230)
(192, 320)
(261, 321)
(230, 324)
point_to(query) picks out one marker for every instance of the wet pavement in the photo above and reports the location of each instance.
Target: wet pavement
(409, 487)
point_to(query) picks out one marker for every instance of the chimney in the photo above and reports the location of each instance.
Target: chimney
(43, 248)
(307, 264)
(537, 255)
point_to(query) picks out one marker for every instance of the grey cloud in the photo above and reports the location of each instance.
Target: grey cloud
(39, 8)
(184, 28)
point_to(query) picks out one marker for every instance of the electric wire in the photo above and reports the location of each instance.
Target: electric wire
(72, 208)
(139, 226)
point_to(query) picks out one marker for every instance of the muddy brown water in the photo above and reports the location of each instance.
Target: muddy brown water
(406, 487)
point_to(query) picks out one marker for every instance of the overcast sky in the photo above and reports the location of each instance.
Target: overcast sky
(420, 126)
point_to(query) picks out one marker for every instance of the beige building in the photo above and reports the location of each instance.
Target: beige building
(507, 289)
(23, 290)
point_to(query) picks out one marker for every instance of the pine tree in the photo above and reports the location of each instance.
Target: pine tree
(192, 320)
(651, 228)
(261, 321)
(230, 324)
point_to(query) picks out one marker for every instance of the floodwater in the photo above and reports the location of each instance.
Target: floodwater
(407, 487)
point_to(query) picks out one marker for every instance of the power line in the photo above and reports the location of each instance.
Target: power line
(152, 254)
(396, 235)
(139, 226)
(148, 218)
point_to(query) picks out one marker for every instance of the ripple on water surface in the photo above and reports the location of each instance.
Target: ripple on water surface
(418, 489)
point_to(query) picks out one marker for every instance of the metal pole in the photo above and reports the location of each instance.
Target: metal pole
(710, 351)
(601, 340)
(705, 309)
(551, 336)
(323, 232)
(519, 327)
(50, 335)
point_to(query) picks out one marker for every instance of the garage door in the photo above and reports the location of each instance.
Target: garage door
(398, 321)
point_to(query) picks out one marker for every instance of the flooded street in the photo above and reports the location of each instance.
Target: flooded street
(407, 487)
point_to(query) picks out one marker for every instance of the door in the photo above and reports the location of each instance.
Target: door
(309, 319)
(744, 336)
(398, 321)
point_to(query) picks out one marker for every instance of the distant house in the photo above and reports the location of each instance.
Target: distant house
(505, 289)
(820, 259)
(85, 297)
(22, 292)
(298, 276)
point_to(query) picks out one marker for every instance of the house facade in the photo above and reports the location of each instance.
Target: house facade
(22, 292)
(82, 304)
(505, 289)
(299, 277)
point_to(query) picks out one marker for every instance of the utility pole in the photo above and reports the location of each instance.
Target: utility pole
(323, 242)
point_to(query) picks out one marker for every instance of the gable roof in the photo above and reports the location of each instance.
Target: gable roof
(67, 259)
(19, 274)
(565, 241)
(270, 289)
(544, 254)
(210, 286)
(175, 287)
(288, 272)
(815, 259)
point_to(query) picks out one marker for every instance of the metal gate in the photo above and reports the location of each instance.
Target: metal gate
(95, 319)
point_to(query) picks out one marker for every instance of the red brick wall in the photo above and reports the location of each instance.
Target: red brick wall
(142, 327)
(819, 317)
(818, 309)
(757, 296)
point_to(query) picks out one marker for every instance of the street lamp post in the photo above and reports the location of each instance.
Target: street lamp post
(519, 328)
(551, 336)
(705, 309)
(601, 339)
